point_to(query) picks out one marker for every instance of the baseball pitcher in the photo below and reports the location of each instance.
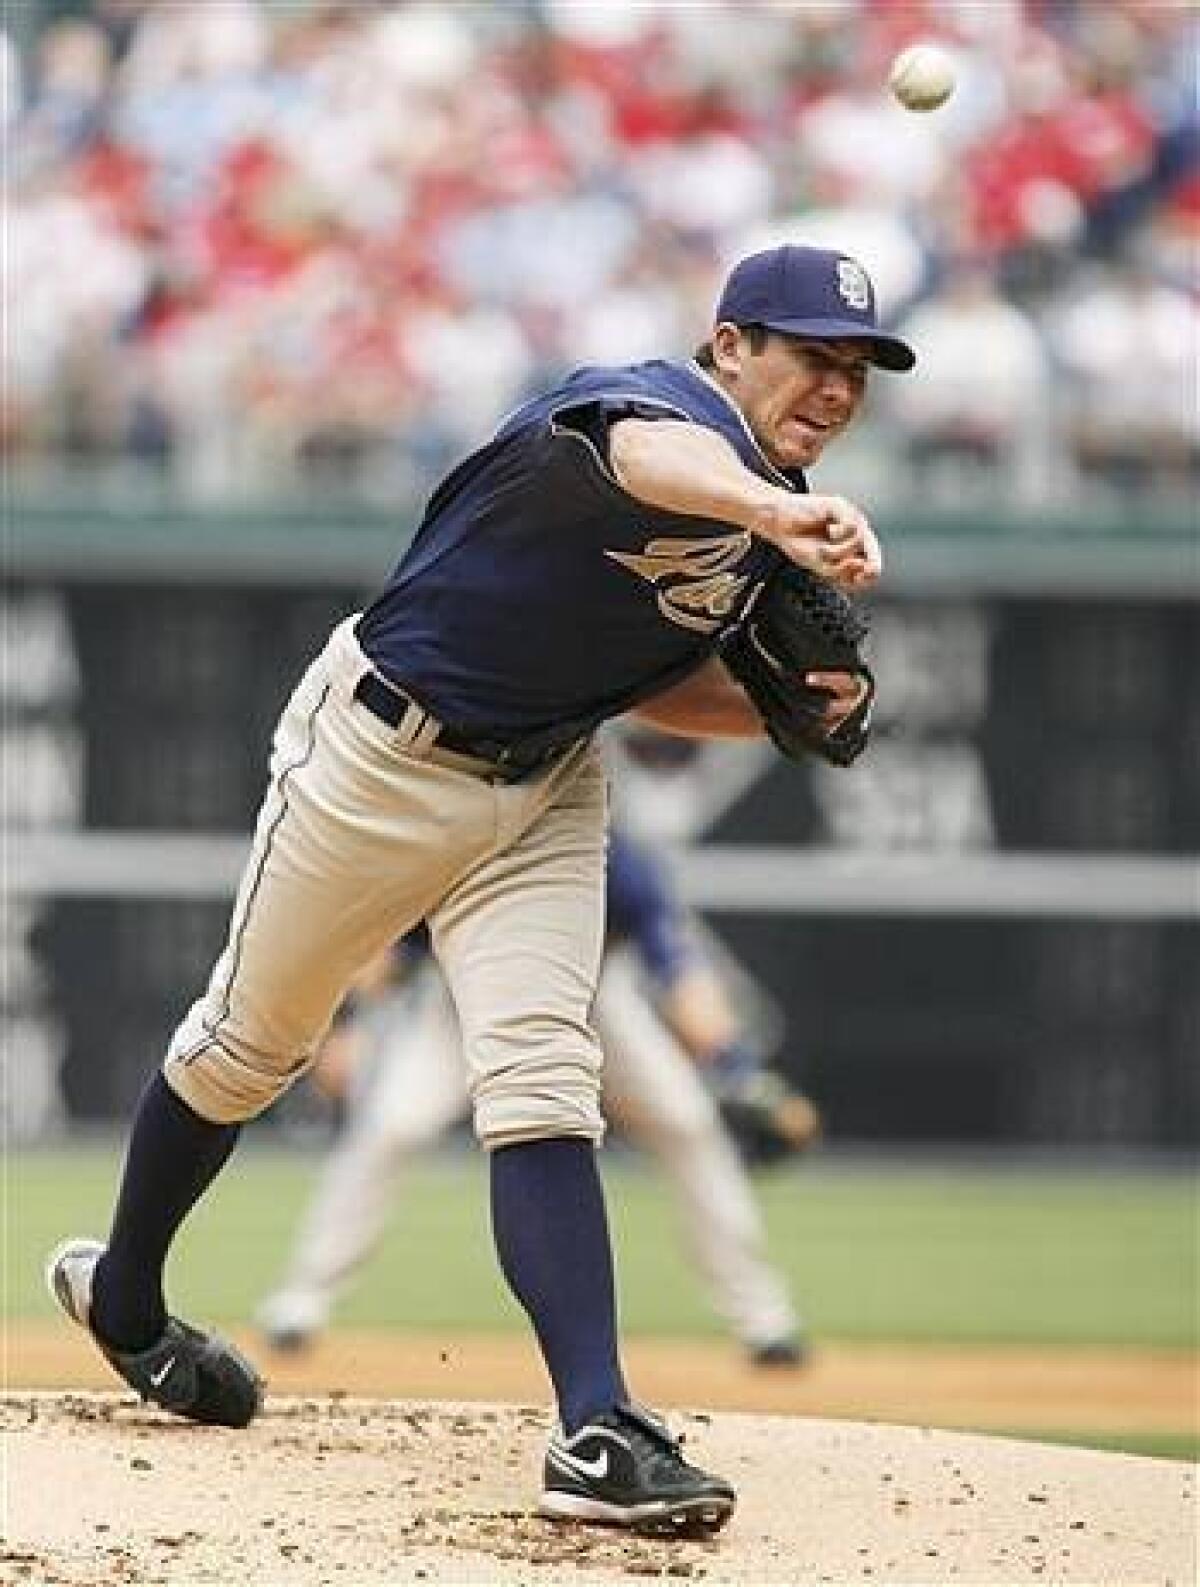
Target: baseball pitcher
(601, 554)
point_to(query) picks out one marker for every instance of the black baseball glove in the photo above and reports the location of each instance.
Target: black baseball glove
(766, 1118)
(801, 624)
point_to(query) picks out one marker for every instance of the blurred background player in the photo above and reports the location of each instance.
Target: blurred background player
(667, 1027)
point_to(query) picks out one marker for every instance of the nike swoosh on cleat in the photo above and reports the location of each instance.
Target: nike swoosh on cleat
(596, 1469)
(160, 1377)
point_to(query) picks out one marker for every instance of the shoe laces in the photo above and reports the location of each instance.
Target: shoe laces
(651, 1440)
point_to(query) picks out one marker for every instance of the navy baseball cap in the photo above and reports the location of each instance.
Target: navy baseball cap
(813, 292)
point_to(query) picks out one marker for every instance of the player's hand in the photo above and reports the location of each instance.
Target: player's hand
(768, 1121)
(845, 691)
(828, 535)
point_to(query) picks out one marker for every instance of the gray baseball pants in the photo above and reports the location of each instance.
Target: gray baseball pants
(366, 830)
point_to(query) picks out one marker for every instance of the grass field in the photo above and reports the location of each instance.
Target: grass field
(873, 1252)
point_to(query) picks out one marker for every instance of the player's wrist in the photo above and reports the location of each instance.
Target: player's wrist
(765, 511)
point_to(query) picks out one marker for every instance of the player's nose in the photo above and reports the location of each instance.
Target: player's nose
(837, 390)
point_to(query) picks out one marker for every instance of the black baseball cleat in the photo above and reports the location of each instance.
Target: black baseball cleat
(187, 1371)
(624, 1469)
(292, 1320)
(787, 1351)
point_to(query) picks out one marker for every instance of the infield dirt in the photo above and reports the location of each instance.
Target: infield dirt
(104, 1493)
(1102, 1392)
(338, 1488)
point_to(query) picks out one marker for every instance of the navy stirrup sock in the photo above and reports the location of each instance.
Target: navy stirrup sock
(173, 1156)
(551, 1234)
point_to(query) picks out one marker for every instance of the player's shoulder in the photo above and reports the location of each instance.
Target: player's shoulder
(656, 385)
(683, 389)
(663, 380)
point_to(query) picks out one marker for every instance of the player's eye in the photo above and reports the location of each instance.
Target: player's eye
(854, 369)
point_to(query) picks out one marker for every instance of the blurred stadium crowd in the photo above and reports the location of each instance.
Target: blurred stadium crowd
(259, 246)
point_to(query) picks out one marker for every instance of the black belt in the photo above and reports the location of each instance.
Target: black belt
(510, 762)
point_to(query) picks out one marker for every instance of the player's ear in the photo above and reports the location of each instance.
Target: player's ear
(729, 349)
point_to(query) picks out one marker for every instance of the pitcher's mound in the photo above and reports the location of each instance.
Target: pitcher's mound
(365, 1492)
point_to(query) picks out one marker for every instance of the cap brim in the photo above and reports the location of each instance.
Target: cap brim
(889, 352)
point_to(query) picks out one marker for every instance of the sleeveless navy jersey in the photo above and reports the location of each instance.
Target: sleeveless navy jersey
(538, 595)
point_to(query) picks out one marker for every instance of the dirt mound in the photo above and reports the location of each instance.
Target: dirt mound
(336, 1490)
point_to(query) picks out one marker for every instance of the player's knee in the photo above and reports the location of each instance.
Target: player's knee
(539, 1097)
(228, 1083)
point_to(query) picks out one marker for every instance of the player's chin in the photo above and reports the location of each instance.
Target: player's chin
(800, 445)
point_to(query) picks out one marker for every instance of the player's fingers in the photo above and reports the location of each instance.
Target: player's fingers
(859, 575)
(862, 546)
(848, 573)
(845, 690)
(851, 546)
(844, 685)
(828, 562)
(849, 566)
(835, 713)
(860, 566)
(843, 520)
(872, 551)
(837, 553)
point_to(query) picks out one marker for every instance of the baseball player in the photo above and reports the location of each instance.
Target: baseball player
(437, 762)
(416, 1089)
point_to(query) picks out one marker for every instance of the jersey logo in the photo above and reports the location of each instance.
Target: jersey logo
(694, 584)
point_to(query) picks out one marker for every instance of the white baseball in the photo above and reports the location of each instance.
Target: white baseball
(922, 77)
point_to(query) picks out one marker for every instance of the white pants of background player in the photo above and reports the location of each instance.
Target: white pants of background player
(416, 1089)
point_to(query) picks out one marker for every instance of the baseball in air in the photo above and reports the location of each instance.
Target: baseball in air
(922, 77)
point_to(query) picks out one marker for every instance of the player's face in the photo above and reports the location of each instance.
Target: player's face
(797, 396)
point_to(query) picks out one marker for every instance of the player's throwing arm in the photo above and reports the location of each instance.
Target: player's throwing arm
(683, 468)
